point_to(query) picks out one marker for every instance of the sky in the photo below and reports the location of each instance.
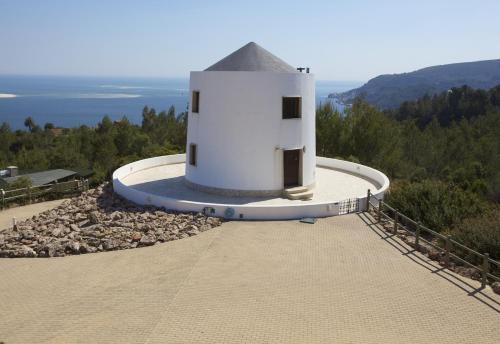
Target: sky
(340, 40)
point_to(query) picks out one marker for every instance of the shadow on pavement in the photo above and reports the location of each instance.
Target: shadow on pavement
(461, 282)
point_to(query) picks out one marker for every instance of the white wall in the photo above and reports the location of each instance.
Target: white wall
(250, 212)
(240, 124)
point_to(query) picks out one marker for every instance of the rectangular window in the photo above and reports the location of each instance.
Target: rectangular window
(292, 107)
(192, 154)
(195, 107)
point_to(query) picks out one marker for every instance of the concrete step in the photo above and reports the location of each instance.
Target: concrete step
(297, 189)
(301, 195)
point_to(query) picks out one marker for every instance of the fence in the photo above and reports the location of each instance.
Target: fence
(350, 205)
(31, 193)
(452, 249)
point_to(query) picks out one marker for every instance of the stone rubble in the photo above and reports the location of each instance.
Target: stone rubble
(96, 221)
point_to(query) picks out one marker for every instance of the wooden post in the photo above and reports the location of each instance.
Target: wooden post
(417, 237)
(368, 196)
(396, 222)
(29, 193)
(447, 251)
(2, 191)
(379, 210)
(485, 270)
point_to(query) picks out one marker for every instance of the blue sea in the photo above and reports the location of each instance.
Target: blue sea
(73, 101)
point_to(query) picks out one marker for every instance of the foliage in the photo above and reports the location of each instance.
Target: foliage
(465, 153)
(441, 153)
(19, 183)
(451, 106)
(439, 205)
(481, 233)
(102, 149)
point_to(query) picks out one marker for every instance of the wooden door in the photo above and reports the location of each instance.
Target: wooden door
(291, 165)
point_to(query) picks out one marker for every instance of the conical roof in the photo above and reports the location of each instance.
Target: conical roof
(252, 58)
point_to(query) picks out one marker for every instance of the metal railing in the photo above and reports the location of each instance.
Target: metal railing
(450, 249)
(31, 193)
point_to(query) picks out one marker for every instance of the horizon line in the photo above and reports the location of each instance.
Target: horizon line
(134, 77)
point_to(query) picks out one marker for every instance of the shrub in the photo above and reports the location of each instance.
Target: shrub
(20, 183)
(438, 205)
(482, 234)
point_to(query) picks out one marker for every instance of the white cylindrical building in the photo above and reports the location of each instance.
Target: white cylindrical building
(251, 126)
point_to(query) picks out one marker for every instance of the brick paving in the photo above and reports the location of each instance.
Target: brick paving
(337, 281)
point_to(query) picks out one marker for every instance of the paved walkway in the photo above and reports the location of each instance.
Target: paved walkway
(25, 212)
(338, 281)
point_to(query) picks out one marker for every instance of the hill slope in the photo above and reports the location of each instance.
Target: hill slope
(390, 90)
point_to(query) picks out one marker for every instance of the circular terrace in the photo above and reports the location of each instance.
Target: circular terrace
(341, 187)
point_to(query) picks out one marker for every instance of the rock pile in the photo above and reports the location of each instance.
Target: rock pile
(98, 220)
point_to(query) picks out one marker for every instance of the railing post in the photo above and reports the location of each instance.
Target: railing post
(379, 210)
(447, 251)
(396, 222)
(2, 191)
(29, 193)
(368, 196)
(485, 270)
(417, 237)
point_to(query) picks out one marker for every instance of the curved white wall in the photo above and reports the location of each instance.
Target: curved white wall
(250, 211)
(240, 125)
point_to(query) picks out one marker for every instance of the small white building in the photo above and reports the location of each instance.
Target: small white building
(251, 126)
(251, 141)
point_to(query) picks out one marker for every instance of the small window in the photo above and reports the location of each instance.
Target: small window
(292, 107)
(195, 107)
(192, 154)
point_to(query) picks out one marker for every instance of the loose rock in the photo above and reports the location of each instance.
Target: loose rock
(496, 287)
(98, 220)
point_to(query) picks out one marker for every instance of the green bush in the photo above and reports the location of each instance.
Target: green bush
(482, 234)
(438, 205)
(20, 183)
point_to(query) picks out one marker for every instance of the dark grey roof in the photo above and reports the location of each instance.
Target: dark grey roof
(252, 58)
(42, 178)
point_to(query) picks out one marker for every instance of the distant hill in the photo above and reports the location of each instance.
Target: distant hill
(390, 90)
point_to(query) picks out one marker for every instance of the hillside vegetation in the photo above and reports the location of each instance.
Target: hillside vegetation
(102, 149)
(389, 91)
(443, 159)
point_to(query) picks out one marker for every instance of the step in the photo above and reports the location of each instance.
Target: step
(296, 189)
(300, 195)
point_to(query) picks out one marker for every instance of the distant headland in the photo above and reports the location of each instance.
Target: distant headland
(390, 90)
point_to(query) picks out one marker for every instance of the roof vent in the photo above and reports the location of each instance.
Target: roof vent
(301, 69)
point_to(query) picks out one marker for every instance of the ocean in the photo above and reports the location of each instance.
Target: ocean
(74, 101)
